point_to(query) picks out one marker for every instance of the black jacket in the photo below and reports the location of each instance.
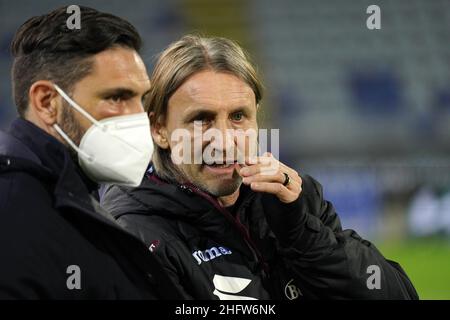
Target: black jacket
(267, 250)
(49, 222)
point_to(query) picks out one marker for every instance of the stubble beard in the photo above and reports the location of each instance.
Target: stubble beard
(71, 128)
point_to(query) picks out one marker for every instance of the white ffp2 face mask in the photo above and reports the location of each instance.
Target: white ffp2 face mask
(114, 150)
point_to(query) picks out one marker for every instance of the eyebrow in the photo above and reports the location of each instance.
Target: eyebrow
(199, 113)
(120, 92)
(207, 113)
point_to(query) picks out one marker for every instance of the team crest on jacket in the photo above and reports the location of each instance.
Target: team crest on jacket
(153, 245)
(210, 254)
(291, 291)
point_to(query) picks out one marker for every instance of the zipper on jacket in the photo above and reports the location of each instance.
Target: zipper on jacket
(236, 221)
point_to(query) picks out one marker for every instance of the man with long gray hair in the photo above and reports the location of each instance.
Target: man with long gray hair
(225, 222)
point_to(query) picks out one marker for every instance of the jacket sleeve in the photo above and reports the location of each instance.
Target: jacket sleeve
(326, 261)
(165, 254)
(24, 273)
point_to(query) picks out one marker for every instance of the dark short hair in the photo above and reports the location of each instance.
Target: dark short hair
(44, 48)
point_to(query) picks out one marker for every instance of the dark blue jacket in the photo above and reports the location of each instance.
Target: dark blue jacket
(50, 225)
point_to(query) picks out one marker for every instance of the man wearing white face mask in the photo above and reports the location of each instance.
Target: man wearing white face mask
(114, 150)
(79, 96)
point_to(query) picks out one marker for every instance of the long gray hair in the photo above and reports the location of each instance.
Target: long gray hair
(183, 58)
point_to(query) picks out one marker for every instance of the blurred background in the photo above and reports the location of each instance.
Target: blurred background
(365, 112)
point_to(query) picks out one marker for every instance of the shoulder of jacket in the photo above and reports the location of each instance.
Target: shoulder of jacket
(11, 165)
(311, 187)
(119, 201)
(22, 188)
(26, 213)
(152, 227)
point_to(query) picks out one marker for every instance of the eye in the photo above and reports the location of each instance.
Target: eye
(202, 117)
(116, 99)
(237, 116)
(201, 121)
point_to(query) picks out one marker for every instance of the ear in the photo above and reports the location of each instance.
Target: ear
(159, 131)
(44, 102)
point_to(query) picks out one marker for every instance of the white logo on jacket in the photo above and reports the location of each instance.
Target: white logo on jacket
(210, 254)
(226, 288)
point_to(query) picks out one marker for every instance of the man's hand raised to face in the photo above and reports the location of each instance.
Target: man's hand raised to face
(267, 174)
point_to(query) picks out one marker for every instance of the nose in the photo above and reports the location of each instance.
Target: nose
(226, 143)
(139, 107)
(135, 106)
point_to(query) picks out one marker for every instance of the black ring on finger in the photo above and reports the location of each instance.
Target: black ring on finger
(287, 179)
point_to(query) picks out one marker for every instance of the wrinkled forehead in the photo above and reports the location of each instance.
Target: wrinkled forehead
(213, 90)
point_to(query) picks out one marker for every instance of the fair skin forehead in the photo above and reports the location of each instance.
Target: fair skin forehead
(215, 91)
